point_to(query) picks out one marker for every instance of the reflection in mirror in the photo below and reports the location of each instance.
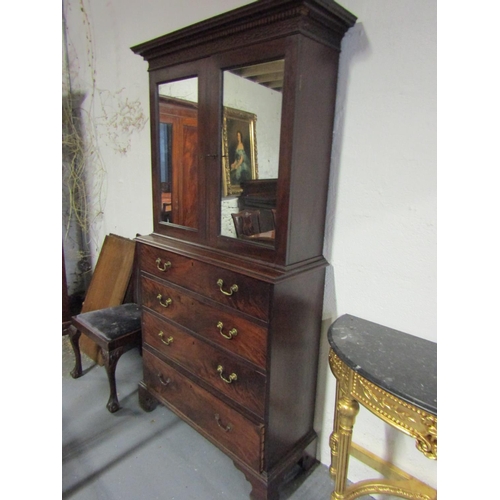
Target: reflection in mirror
(178, 141)
(252, 99)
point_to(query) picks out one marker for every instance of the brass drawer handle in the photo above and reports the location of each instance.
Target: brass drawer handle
(164, 304)
(226, 428)
(233, 288)
(232, 378)
(232, 333)
(168, 341)
(162, 381)
(166, 266)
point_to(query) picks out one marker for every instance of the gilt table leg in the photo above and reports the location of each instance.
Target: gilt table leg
(345, 413)
(334, 446)
(346, 409)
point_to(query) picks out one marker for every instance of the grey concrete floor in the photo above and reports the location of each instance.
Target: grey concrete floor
(135, 455)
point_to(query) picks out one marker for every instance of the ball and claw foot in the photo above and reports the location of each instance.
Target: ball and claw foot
(112, 406)
(75, 372)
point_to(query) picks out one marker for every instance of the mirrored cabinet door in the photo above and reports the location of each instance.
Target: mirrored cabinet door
(251, 123)
(177, 183)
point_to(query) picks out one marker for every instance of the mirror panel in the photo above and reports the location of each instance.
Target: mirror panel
(178, 152)
(252, 100)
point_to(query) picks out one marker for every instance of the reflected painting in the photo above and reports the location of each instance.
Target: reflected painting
(239, 150)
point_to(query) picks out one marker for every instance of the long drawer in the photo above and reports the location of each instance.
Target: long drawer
(252, 296)
(212, 417)
(250, 340)
(222, 371)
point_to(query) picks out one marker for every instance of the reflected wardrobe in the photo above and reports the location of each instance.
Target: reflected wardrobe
(232, 276)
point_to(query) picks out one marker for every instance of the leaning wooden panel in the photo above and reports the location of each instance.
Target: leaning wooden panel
(109, 283)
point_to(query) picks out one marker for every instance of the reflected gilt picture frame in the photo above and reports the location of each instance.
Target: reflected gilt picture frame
(238, 165)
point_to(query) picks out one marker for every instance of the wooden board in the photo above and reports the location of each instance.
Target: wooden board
(109, 283)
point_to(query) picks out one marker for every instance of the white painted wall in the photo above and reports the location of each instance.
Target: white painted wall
(381, 221)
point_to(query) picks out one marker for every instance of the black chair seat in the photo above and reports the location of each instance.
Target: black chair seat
(113, 322)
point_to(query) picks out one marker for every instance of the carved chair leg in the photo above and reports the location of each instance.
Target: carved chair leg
(110, 360)
(74, 337)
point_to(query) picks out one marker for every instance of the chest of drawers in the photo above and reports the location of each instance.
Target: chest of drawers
(233, 355)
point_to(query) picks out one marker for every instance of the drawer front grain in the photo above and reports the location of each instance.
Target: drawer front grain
(252, 296)
(250, 340)
(216, 420)
(212, 365)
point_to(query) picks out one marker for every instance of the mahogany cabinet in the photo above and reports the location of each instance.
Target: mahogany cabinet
(231, 325)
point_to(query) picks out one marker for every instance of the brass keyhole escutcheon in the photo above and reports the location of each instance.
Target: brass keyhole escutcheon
(232, 333)
(232, 378)
(166, 303)
(232, 288)
(165, 266)
(166, 341)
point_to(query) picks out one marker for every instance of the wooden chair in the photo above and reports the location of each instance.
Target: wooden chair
(111, 283)
(115, 330)
(246, 223)
(115, 327)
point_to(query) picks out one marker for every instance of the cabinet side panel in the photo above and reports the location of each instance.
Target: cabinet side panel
(313, 132)
(295, 330)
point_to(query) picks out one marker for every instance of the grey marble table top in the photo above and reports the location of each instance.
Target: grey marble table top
(399, 363)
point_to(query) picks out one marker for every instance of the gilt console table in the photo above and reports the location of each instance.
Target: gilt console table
(392, 374)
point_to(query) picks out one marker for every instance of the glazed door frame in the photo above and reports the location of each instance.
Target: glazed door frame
(198, 232)
(246, 56)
